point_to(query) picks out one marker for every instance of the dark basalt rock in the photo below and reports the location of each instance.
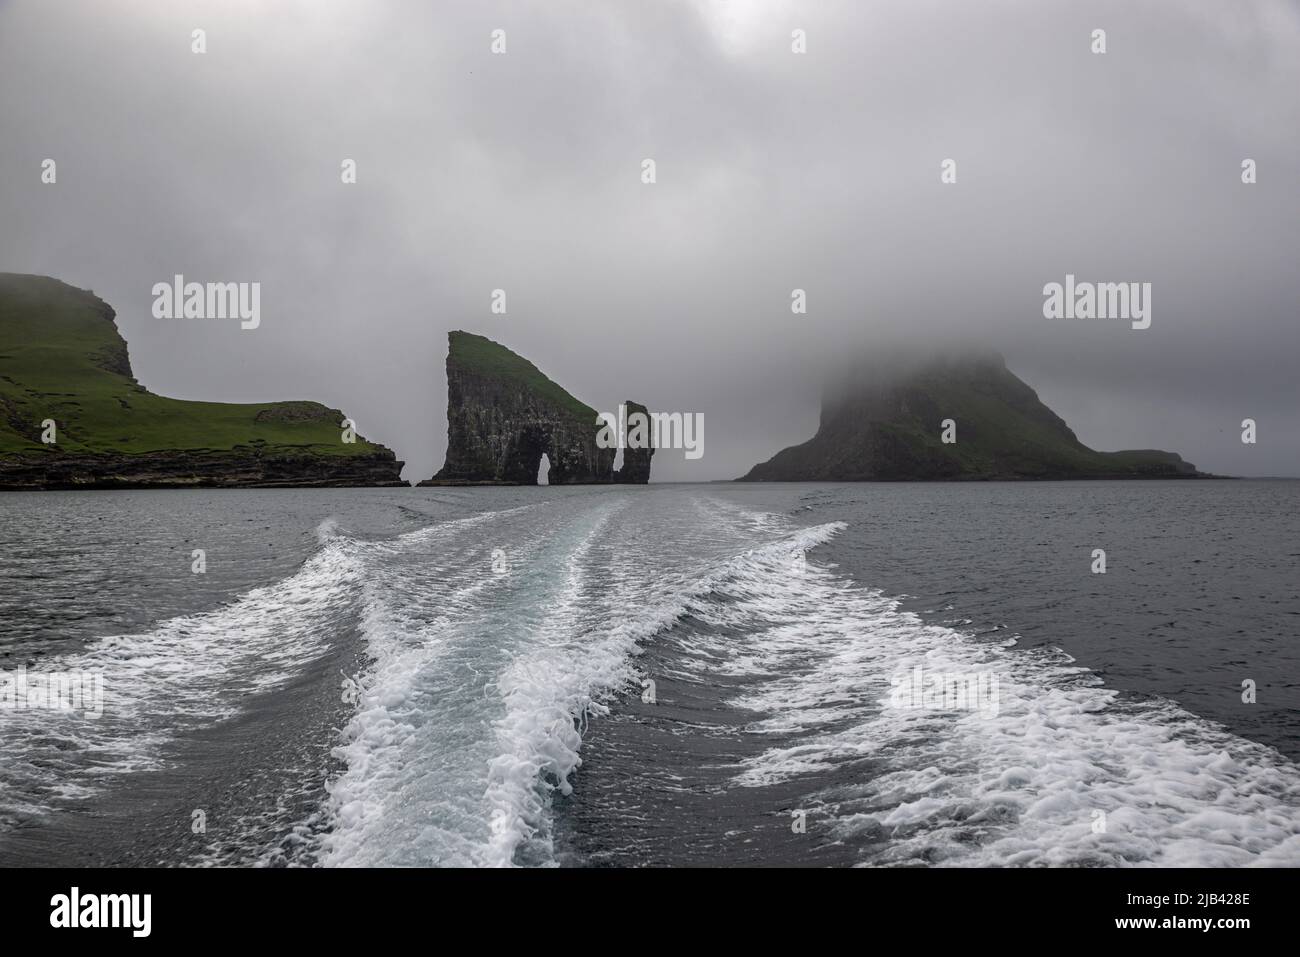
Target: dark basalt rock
(241, 468)
(503, 414)
(636, 462)
(881, 422)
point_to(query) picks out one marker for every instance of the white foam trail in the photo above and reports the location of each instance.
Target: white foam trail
(533, 655)
(545, 690)
(183, 673)
(585, 652)
(327, 528)
(412, 789)
(582, 652)
(961, 787)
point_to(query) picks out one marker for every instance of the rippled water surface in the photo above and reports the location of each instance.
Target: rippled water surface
(682, 674)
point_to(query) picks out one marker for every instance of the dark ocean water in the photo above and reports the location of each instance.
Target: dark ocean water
(686, 674)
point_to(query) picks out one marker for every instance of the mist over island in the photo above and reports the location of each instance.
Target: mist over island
(776, 171)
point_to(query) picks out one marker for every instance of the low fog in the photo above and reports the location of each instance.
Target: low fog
(775, 171)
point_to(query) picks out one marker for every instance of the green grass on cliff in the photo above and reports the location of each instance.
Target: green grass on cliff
(62, 358)
(481, 356)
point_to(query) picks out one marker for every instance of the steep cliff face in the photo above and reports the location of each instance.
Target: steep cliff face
(250, 467)
(636, 461)
(63, 360)
(885, 425)
(503, 414)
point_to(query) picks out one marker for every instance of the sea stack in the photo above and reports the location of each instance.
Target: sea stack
(504, 414)
(636, 461)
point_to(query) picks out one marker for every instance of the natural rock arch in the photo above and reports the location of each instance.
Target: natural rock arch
(503, 415)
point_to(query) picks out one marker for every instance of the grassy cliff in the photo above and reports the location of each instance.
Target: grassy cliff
(481, 356)
(62, 358)
(504, 414)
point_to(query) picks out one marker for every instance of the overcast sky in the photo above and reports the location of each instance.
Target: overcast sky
(775, 171)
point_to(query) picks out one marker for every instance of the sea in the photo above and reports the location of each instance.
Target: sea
(725, 674)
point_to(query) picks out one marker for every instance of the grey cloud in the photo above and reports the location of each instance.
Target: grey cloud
(775, 171)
